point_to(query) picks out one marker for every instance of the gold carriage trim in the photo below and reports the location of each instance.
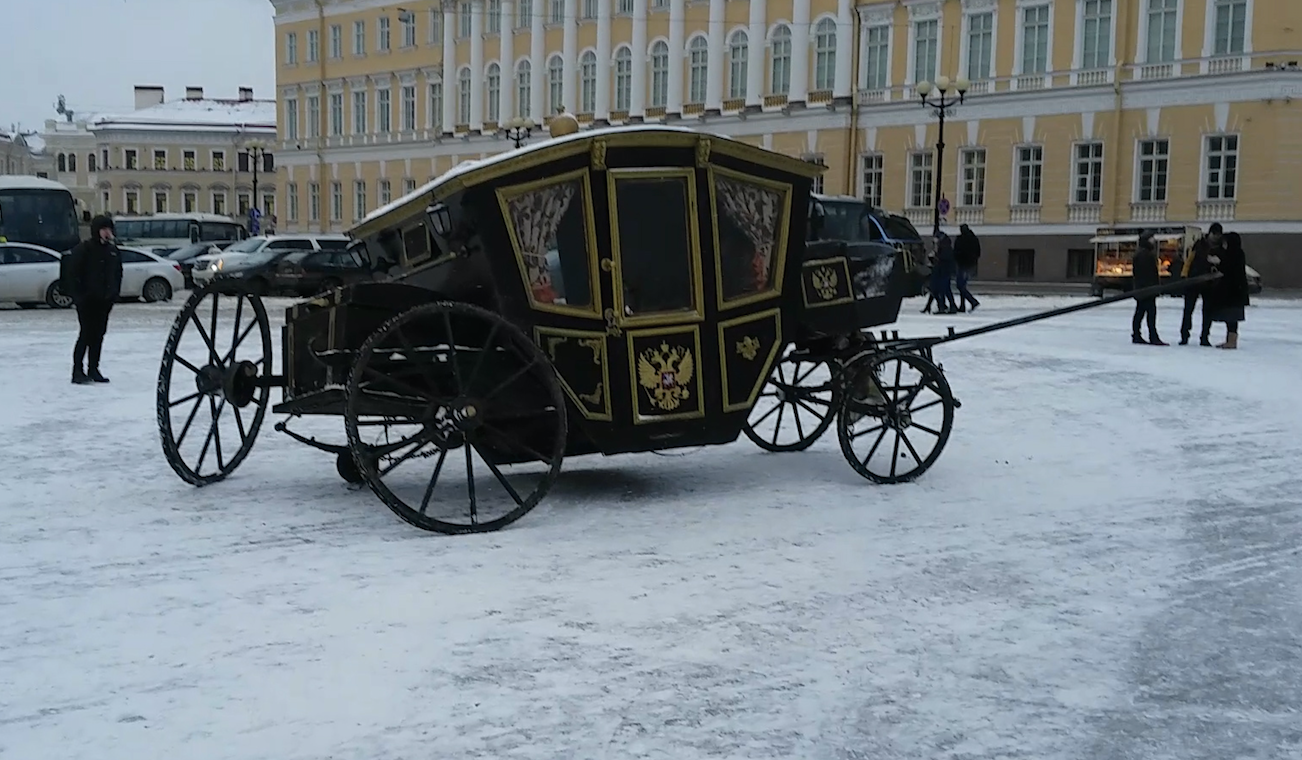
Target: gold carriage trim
(755, 336)
(826, 282)
(665, 374)
(762, 209)
(586, 384)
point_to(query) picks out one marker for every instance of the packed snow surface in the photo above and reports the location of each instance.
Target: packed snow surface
(1103, 564)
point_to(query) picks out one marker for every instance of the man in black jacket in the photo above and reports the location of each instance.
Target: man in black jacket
(1145, 274)
(92, 277)
(1194, 266)
(967, 252)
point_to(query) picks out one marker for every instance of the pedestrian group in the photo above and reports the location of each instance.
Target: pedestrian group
(1223, 299)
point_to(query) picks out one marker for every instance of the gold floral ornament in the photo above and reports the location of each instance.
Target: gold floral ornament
(748, 347)
(825, 279)
(755, 209)
(665, 373)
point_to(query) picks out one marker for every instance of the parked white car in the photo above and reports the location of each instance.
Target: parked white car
(207, 266)
(29, 275)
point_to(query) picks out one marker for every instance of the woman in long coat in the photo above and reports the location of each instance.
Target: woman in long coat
(1229, 294)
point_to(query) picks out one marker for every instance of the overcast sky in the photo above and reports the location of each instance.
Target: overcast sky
(95, 51)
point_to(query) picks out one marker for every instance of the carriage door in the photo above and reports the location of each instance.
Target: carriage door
(694, 291)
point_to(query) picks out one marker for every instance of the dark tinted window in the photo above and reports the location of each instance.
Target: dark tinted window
(132, 257)
(333, 245)
(655, 250)
(898, 227)
(289, 245)
(15, 254)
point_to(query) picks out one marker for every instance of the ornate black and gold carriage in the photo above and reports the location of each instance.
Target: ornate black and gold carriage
(611, 291)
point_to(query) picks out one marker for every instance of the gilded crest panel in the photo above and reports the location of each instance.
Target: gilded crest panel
(665, 367)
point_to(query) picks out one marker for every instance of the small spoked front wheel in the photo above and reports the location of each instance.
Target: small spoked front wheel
(455, 419)
(895, 417)
(795, 406)
(212, 391)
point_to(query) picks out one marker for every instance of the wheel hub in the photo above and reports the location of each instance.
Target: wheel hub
(467, 415)
(898, 419)
(240, 383)
(208, 380)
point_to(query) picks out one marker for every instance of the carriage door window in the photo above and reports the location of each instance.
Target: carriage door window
(551, 228)
(752, 234)
(658, 254)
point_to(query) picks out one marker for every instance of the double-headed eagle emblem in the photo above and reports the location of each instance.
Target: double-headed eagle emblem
(825, 282)
(665, 372)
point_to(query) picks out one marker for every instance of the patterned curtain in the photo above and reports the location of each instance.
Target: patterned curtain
(536, 216)
(755, 209)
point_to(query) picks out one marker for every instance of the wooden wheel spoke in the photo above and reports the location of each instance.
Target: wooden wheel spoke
(185, 363)
(408, 387)
(501, 436)
(927, 405)
(217, 431)
(433, 480)
(425, 369)
(484, 352)
(767, 414)
(235, 344)
(861, 433)
(880, 437)
(803, 404)
(212, 348)
(180, 401)
(895, 454)
(452, 349)
(239, 424)
(909, 445)
(514, 376)
(189, 420)
(389, 450)
(497, 473)
(470, 485)
(926, 429)
(800, 429)
(777, 428)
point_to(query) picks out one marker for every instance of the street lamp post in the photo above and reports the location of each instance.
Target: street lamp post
(518, 130)
(947, 95)
(255, 149)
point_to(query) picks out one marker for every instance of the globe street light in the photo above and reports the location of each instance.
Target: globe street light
(947, 95)
(255, 149)
(519, 129)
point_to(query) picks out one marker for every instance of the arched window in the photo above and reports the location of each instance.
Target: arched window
(825, 55)
(523, 86)
(588, 82)
(555, 82)
(738, 55)
(623, 79)
(780, 61)
(72, 162)
(493, 83)
(463, 96)
(63, 163)
(699, 67)
(90, 162)
(660, 73)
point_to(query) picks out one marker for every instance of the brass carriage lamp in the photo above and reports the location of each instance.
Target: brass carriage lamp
(440, 218)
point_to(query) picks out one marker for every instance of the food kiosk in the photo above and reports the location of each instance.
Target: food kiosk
(1114, 249)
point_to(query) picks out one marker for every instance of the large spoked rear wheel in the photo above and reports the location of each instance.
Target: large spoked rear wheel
(896, 416)
(795, 406)
(455, 419)
(212, 393)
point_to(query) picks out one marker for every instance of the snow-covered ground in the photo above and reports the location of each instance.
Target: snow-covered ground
(1105, 563)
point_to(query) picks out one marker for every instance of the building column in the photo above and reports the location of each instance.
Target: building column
(845, 22)
(451, 86)
(506, 60)
(637, 95)
(476, 67)
(677, 55)
(718, 65)
(605, 62)
(755, 59)
(801, 32)
(570, 52)
(537, 65)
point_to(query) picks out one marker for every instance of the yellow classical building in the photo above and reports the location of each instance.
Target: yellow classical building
(1080, 113)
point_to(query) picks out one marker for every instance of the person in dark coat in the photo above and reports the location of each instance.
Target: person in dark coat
(942, 274)
(967, 251)
(1145, 274)
(1227, 296)
(1194, 266)
(92, 277)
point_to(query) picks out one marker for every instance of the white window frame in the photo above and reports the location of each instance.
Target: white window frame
(698, 68)
(738, 63)
(1141, 41)
(408, 25)
(658, 93)
(336, 42)
(1077, 175)
(189, 201)
(291, 48)
(864, 71)
(336, 201)
(465, 81)
(1078, 52)
(434, 32)
(291, 201)
(314, 201)
(291, 119)
(928, 170)
(167, 201)
(336, 114)
(359, 198)
(383, 110)
(872, 163)
(493, 12)
(913, 72)
(313, 45)
(976, 198)
(965, 44)
(1035, 196)
(522, 80)
(385, 195)
(216, 194)
(382, 35)
(1136, 191)
(493, 92)
(1205, 173)
(359, 38)
(407, 118)
(623, 78)
(588, 81)
(788, 39)
(1209, 38)
(360, 106)
(434, 92)
(555, 83)
(824, 54)
(1019, 41)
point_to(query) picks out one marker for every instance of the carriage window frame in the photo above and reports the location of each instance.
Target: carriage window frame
(508, 193)
(406, 231)
(783, 237)
(657, 318)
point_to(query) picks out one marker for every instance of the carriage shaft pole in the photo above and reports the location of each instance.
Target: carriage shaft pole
(1156, 290)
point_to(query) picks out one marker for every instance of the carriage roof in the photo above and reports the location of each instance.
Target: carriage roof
(474, 172)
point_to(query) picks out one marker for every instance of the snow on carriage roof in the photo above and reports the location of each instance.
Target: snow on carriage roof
(471, 164)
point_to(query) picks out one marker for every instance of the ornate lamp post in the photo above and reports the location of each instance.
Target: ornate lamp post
(518, 129)
(256, 149)
(946, 96)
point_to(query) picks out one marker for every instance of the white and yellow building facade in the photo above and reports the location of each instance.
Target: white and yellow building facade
(1080, 113)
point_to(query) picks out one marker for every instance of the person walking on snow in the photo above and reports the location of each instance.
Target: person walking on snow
(92, 277)
(967, 251)
(1228, 295)
(1195, 266)
(1145, 274)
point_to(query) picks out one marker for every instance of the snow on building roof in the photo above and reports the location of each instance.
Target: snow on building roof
(24, 182)
(35, 143)
(206, 114)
